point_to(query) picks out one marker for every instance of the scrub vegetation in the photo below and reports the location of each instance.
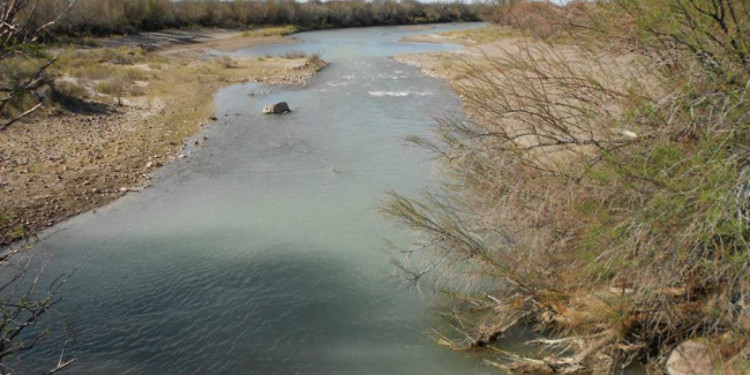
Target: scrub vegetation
(118, 16)
(599, 188)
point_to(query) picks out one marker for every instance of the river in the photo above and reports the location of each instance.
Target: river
(262, 251)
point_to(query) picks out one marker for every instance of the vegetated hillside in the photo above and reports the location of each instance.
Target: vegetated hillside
(599, 191)
(126, 16)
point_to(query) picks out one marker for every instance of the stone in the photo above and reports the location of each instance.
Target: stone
(690, 358)
(280, 107)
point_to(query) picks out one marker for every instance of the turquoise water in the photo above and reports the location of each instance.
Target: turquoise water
(262, 251)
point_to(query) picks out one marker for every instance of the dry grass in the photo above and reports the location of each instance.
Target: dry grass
(295, 55)
(542, 19)
(271, 31)
(226, 61)
(483, 35)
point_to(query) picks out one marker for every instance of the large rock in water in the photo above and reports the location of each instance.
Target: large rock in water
(280, 107)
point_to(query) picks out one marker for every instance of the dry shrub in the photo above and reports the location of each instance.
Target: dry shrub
(294, 55)
(123, 56)
(600, 197)
(226, 62)
(15, 73)
(114, 87)
(540, 19)
(70, 89)
(118, 88)
(134, 74)
(537, 18)
(543, 19)
(118, 16)
(315, 61)
(116, 56)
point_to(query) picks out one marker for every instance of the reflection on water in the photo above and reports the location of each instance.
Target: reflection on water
(261, 252)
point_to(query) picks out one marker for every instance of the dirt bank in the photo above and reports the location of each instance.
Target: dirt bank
(434, 38)
(117, 113)
(197, 43)
(482, 44)
(521, 96)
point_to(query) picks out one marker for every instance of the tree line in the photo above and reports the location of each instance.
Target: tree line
(101, 17)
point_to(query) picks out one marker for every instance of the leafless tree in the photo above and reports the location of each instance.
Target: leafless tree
(25, 300)
(19, 37)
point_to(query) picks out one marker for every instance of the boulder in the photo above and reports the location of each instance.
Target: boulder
(280, 107)
(690, 358)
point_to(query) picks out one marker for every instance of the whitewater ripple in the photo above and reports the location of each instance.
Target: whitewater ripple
(398, 93)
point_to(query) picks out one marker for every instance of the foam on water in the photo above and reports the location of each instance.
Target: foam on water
(398, 93)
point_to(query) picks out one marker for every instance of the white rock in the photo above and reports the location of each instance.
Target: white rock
(690, 358)
(629, 134)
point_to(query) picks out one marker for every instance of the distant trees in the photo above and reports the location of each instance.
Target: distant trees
(99, 17)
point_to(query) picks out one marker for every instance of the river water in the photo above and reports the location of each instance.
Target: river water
(262, 251)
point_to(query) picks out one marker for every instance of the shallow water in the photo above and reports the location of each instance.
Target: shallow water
(262, 251)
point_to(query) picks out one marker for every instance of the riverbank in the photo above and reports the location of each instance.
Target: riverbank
(198, 43)
(119, 111)
(557, 130)
(481, 44)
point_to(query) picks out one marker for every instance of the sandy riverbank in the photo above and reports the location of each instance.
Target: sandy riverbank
(434, 38)
(482, 44)
(122, 110)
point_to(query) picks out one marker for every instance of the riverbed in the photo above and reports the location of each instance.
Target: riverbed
(261, 250)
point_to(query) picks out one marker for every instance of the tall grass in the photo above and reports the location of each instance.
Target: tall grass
(600, 191)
